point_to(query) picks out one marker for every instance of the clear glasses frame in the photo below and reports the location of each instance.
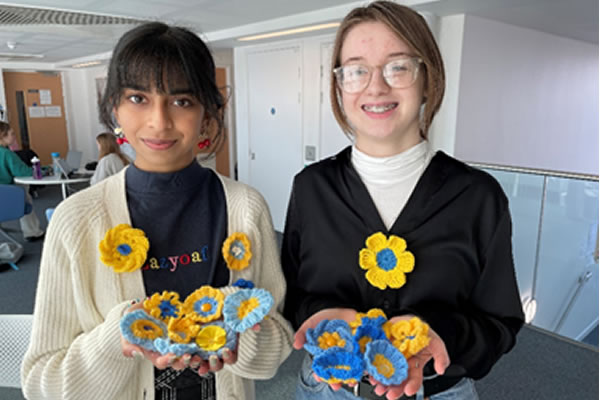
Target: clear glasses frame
(399, 73)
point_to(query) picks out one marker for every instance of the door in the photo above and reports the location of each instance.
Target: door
(275, 124)
(44, 111)
(332, 138)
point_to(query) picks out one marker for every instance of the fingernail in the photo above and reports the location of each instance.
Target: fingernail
(226, 354)
(213, 360)
(194, 364)
(137, 355)
(186, 360)
(172, 358)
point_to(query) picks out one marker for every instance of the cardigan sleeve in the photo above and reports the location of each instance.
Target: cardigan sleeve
(485, 328)
(260, 353)
(299, 304)
(66, 358)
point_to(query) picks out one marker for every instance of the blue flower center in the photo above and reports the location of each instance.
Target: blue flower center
(386, 259)
(167, 309)
(237, 249)
(124, 249)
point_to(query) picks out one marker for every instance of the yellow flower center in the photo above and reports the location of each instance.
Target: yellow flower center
(211, 338)
(206, 307)
(246, 307)
(328, 340)
(362, 342)
(383, 365)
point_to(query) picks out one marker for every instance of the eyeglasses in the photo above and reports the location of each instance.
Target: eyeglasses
(399, 74)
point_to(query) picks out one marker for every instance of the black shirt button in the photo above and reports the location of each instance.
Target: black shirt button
(386, 305)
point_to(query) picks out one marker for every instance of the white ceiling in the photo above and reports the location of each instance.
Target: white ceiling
(222, 21)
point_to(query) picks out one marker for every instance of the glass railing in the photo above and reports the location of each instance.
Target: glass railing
(555, 245)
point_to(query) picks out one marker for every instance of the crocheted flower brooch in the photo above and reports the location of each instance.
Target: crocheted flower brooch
(237, 251)
(386, 261)
(124, 248)
(194, 326)
(343, 352)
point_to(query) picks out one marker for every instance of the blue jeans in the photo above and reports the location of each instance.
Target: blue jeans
(308, 388)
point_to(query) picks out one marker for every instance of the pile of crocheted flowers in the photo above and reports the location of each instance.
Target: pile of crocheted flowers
(205, 323)
(343, 352)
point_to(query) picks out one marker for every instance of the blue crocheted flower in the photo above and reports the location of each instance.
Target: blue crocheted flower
(165, 346)
(246, 308)
(244, 284)
(336, 366)
(329, 334)
(368, 332)
(385, 363)
(213, 338)
(141, 329)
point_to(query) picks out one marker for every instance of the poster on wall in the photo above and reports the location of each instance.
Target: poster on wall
(53, 112)
(45, 96)
(36, 112)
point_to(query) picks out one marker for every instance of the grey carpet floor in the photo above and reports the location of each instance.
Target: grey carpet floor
(541, 366)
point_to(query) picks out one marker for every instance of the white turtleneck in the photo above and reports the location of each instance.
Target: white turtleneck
(391, 180)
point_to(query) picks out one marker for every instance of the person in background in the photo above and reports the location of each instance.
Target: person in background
(110, 158)
(388, 223)
(10, 166)
(161, 91)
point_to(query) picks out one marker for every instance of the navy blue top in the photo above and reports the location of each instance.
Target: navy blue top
(184, 216)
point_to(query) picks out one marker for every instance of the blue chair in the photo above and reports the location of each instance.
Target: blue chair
(12, 206)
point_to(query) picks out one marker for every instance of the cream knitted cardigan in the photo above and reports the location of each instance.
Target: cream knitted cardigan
(75, 349)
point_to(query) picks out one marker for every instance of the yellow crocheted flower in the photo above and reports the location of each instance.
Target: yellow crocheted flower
(329, 339)
(386, 261)
(373, 313)
(124, 248)
(146, 329)
(236, 251)
(409, 336)
(183, 329)
(211, 338)
(204, 304)
(163, 306)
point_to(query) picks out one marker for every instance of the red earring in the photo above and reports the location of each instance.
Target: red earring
(204, 143)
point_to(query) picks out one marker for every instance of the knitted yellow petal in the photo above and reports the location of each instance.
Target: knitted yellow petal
(395, 278)
(367, 259)
(163, 306)
(195, 305)
(376, 242)
(405, 261)
(377, 277)
(397, 244)
(182, 330)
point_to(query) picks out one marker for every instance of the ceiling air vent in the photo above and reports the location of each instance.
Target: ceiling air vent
(13, 15)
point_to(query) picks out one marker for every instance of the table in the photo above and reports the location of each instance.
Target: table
(51, 180)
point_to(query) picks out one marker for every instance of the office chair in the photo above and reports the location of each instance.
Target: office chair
(15, 331)
(12, 206)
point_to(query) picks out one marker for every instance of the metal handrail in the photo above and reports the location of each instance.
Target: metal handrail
(536, 171)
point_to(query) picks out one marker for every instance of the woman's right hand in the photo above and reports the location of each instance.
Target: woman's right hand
(347, 314)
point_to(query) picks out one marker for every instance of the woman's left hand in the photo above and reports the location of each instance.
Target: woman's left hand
(436, 349)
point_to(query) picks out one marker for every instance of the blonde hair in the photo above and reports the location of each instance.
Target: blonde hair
(108, 144)
(412, 29)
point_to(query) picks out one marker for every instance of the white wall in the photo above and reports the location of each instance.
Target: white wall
(527, 99)
(83, 124)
